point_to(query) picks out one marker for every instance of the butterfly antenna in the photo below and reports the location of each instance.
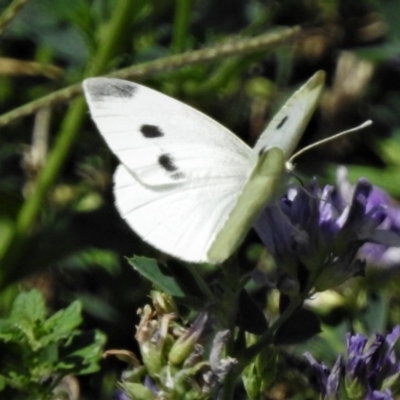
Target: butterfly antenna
(327, 140)
(297, 177)
(311, 196)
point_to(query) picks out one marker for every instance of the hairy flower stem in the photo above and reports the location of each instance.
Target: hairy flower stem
(234, 48)
(10, 13)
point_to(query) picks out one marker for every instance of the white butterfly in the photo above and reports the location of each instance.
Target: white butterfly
(186, 184)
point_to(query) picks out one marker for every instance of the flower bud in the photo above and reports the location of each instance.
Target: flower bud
(184, 346)
(137, 391)
(251, 382)
(163, 303)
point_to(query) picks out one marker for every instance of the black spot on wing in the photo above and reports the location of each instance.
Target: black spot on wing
(112, 88)
(283, 121)
(151, 131)
(167, 162)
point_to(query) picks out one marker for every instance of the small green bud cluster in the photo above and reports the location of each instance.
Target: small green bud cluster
(175, 364)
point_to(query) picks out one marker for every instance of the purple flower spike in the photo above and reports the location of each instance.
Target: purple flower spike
(383, 248)
(322, 231)
(355, 366)
(376, 395)
(369, 371)
(373, 364)
(323, 379)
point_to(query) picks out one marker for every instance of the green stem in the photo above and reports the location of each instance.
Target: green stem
(234, 48)
(181, 24)
(204, 287)
(69, 130)
(229, 386)
(10, 250)
(10, 13)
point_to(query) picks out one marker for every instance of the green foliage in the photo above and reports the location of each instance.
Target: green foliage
(38, 350)
(58, 215)
(151, 271)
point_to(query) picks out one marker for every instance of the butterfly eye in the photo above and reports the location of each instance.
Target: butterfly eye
(151, 131)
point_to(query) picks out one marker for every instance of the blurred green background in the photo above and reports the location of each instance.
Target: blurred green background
(72, 243)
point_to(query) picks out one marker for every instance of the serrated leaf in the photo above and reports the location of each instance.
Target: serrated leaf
(48, 355)
(10, 332)
(29, 306)
(63, 322)
(149, 268)
(82, 355)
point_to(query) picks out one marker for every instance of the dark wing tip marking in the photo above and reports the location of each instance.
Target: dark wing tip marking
(283, 121)
(167, 162)
(111, 88)
(151, 131)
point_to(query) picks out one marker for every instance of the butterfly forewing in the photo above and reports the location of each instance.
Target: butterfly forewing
(181, 171)
(161, 140)
(288, 125)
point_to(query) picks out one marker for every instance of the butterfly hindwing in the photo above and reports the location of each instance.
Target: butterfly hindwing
(180, 220)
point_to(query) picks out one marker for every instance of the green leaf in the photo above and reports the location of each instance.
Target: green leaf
(9, 331)
(90, 257)
(300, 326)
(149, 268)
(3, 383)
(375, 316)
(62, 323)
(326, 345)
(250, 316)
(29, 306)
(98, 307)
(47, 357)
(82, 355)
